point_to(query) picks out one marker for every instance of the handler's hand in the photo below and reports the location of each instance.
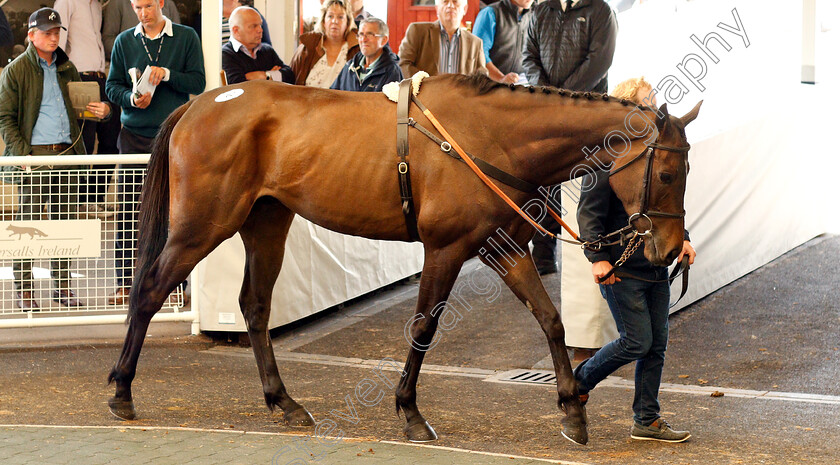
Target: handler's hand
(99, 109)
(143, 101)
(157, 75)
(687, 250)
(600, 269)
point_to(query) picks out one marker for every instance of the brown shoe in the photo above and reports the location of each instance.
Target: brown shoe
(67, 297)
(120, 297)
(26, 302)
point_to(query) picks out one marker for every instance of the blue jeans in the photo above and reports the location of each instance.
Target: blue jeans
(640, 310)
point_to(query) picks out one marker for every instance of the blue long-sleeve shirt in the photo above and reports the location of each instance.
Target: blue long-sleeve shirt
(485, 28)
(52, 125)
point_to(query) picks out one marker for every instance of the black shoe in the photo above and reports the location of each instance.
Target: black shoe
(547, 269)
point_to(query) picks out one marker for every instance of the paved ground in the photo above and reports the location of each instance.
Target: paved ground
(768, 343)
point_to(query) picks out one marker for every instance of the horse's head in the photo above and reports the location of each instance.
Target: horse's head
(655, 204)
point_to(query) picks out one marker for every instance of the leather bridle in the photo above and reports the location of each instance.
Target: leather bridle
(644, 208)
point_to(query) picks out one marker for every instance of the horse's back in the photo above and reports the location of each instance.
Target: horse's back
(327, 155)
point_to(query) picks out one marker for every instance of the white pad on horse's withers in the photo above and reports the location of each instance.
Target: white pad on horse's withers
(392, 89)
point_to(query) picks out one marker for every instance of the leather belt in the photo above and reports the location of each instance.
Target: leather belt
(403, 122)
(98, 74)
(53, 147)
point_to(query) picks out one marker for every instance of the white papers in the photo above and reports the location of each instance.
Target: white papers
(140, 84)
(275, 75)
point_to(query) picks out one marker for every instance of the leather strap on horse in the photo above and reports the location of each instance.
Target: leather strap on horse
(490, 170)
(402, 168)
(484, 178)
(495, 173)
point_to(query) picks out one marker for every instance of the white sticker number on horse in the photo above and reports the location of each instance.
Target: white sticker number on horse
(229, 95)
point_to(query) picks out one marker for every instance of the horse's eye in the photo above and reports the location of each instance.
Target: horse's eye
(666, 178)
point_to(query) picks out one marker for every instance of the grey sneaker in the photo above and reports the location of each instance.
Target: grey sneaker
(659, 430)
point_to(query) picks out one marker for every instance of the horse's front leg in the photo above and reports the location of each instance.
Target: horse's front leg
(440, 269)
(516, 267)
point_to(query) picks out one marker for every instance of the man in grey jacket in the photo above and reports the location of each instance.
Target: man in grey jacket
(569, 44)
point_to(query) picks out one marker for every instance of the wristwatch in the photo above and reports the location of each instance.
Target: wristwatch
(267, 76)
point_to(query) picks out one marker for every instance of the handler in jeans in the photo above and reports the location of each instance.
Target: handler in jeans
(37, 118)
(640, 310)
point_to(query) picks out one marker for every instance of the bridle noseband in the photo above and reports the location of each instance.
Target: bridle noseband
(644, 210)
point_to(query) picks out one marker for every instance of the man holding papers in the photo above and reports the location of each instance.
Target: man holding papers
(37, 118)
(172, 53)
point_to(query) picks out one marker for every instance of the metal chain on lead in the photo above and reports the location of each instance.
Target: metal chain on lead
(632, 245)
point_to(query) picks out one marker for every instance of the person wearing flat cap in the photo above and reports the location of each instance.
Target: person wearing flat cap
(37, 118)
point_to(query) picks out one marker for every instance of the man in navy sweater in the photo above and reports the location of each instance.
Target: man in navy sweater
(245, 57)
(375, 65)
(172, 53)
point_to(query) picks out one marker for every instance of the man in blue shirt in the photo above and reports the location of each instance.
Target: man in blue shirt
(375, 65)
(501, 28)
(37, 118)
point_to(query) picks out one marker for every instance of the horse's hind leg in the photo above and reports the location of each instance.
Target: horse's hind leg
(183, 250)
(264, 234)
(440, 269)
(516, 267)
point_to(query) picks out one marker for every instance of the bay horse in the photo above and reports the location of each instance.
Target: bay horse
(249, 164)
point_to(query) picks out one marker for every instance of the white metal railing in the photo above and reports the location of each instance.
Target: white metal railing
(67, 211)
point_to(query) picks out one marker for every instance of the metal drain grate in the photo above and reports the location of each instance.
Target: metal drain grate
(525, 377)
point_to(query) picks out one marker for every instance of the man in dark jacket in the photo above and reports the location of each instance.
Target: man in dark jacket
(569, 44)
(375, 65)
(640, 310)
(37, 118)
(245, 57)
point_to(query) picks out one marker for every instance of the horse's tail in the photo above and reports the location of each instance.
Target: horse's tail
(153, 217)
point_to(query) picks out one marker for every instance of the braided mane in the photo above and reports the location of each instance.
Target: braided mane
(482, 85)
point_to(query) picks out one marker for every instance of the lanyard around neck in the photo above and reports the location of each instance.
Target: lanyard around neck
(154, 61)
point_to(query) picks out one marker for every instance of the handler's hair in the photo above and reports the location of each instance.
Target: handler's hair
(351, 23)
(630, 88)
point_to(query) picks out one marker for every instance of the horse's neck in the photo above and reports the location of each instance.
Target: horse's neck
(562, 134)
(539, 137)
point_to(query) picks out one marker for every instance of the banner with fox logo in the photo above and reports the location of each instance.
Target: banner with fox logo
(50, 239)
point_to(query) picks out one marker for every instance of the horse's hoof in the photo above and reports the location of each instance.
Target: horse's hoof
(300, 418)
(574, 430)
(122, 409)
(420, 432)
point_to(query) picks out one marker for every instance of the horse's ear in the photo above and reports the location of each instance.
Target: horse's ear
(691, 115)
(662, 116)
